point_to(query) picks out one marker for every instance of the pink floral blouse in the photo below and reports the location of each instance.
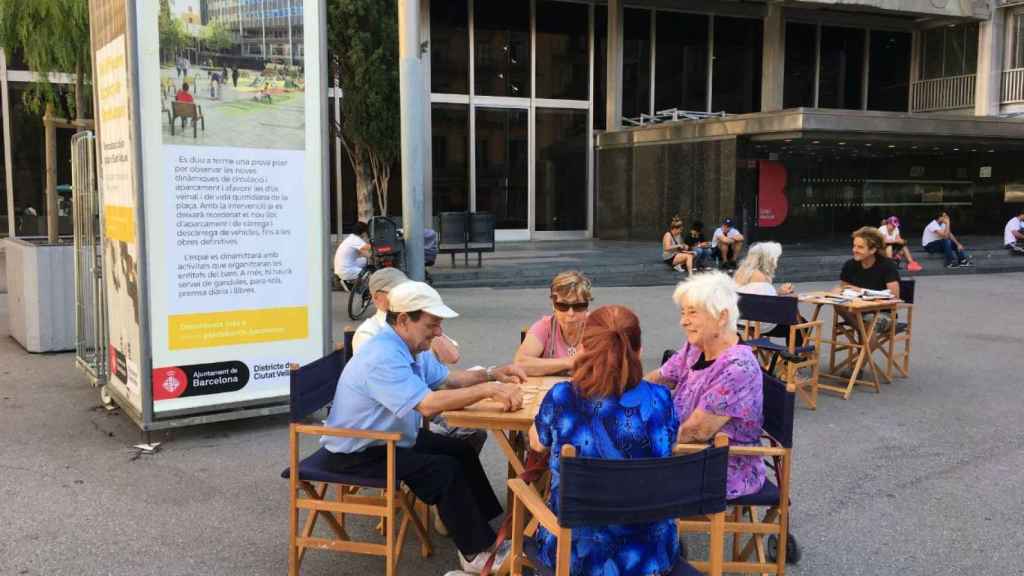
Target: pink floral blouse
(729, 386)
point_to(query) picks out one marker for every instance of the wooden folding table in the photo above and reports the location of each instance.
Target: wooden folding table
(857, 340)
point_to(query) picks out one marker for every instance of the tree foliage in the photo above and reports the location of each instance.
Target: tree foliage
(172, 31)
(215, 36)
(53, 35)
(363, 40)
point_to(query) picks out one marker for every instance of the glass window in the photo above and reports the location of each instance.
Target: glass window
(801, 48)
(600, 66)
(842, 68)
(953, 62)
(889, 72)
(561, 170)
(502, 33)
(933, 40)
(636, 63)
(449, 46)
(971, 49)
(501, 165)
(449, 124)
(950, 51)
(736, 80)
(681, 62)
(1018, 41)
(562, 54)
(28, 164)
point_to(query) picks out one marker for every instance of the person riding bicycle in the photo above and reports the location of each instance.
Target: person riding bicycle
(350, 258)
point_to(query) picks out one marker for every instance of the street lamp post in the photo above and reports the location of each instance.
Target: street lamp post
(412, 104)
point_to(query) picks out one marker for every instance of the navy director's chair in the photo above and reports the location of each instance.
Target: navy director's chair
(312, 388)
(591, 494)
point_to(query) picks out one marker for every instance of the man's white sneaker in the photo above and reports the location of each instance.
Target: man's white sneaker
(477, 565)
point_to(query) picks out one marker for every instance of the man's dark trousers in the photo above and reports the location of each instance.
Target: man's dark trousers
(441, 471)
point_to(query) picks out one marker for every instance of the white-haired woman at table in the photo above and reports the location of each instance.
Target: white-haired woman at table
(716, 379)
(756, 274)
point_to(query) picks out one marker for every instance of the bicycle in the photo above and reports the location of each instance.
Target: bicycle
(386, 251)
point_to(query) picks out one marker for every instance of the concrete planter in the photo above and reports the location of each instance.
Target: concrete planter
(41, 294)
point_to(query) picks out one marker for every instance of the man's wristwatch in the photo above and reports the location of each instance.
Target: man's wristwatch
(490, 373)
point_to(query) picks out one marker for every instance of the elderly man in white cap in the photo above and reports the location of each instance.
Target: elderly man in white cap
(381, 283)
(389, 386)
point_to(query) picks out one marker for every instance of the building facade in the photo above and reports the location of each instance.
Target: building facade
(802, 119)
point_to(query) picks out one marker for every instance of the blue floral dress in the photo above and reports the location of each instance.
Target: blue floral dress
(640, 424)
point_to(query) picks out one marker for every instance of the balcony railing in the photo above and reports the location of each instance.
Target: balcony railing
(949, 93)
(1013, 86)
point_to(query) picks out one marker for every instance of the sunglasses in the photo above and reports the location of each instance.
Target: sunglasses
(565, 306)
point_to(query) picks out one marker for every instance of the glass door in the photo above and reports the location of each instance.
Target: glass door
(502, 165)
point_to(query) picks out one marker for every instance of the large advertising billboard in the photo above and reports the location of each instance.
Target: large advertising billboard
(232, 172)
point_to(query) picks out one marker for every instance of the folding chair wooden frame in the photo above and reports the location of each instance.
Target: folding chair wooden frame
(792, 361)
(310, 487)
(527, 501)
(386, 507)
(742, 519)
(901, 333)
(769, 353)
(858, 343)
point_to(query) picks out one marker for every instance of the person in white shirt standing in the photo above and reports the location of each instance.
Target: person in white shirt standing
(938, 238)
(1013, 234)
(894, 243)
(350, 258)
(728, 242)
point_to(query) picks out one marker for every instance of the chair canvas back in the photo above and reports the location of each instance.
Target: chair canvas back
(769, 309)
(907, 290)
(592, 494)
(453, 228)
(777, 410)
(313, 385)
(481, 228)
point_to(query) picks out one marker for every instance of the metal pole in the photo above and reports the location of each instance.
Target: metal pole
(8, 172)
(51, 175)
(413, 126)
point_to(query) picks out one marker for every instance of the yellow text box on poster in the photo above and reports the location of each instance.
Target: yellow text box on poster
(213, 329)
(119, 223)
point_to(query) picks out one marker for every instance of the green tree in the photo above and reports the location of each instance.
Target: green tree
(172, 32)
(362, 36)
(53, 35)
(216, 37)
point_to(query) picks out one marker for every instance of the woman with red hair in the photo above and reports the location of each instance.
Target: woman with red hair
(609, 411)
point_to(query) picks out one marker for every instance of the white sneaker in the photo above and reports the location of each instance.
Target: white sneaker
(679, 268)
(477, 565)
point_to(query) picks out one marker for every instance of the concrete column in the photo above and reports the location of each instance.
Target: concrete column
(411, 96)
(613, 87)
(989, 81)
(773, 59)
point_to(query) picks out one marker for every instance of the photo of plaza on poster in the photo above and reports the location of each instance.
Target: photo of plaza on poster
(231, 74)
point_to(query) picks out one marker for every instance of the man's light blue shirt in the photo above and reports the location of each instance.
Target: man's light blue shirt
(380, 389)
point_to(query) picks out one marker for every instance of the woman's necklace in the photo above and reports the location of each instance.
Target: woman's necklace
(571, 349)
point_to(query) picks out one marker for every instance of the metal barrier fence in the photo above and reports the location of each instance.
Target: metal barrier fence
(90, 296)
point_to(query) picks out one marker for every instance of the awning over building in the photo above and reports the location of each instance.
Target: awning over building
(798, 123)
(974, 9)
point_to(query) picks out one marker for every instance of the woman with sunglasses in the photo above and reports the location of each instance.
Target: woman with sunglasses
(551, 343)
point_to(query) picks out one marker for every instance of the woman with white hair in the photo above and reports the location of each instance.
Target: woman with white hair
(716, 379)
(756, 271)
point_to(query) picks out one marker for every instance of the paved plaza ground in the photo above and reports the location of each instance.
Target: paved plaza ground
(923, 478)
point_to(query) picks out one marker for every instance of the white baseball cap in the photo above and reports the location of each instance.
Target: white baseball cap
(415, 296)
